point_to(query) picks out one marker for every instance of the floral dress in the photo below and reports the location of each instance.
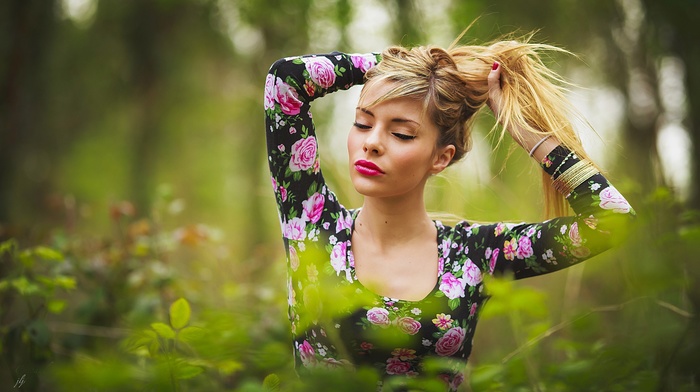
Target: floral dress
(336, 322)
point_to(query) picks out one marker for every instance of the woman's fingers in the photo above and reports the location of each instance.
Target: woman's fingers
(494, 82)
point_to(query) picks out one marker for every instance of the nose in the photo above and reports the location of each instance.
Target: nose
(373, 142)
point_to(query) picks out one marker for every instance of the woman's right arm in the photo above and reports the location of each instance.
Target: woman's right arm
(290, 86)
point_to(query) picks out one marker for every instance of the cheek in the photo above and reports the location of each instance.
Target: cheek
(354, 142)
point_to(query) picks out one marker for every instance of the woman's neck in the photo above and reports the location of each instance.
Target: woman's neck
(391, 222)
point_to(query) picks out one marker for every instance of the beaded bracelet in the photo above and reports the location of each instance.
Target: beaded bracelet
(566, 158)
(573, 177)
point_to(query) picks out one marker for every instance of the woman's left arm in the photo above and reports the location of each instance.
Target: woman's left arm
(601, 212)
(602, 216)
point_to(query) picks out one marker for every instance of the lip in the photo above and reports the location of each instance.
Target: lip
(367, 168)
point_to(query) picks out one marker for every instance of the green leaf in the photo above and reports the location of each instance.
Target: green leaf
(453, 303)
(24, 286)
(191, 334)
(229, 366)
(185, 371)
(180, 313)
(271, 383)
(164, 330)
(139, 340)
(56, 306)
(9, 246)
(65, 282)
(48, 253)
(26, 258)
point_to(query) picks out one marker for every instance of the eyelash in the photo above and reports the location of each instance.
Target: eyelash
(398, 135)
(403, 136)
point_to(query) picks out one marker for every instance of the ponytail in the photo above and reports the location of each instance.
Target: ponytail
(533, 98)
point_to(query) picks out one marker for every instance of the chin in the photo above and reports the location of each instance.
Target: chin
(367, 187)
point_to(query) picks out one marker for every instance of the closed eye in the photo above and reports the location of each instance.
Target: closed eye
(403, 136)
(361, 126)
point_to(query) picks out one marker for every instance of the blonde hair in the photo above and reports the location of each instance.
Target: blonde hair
(453, 85)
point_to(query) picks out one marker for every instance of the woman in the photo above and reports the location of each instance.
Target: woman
(384, 286)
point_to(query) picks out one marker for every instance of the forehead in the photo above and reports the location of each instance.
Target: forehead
(382, 94)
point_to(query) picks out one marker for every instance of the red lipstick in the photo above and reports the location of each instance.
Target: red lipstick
(367, 168)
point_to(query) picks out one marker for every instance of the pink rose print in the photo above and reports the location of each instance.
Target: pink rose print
(574, 235)
(288, 98)
(612, 199)
(351, 259)
(408, 325)
(457, 381)
(397, 366)
(283, 193)
(321, 70)
(524, 248)
(580, 251)
(364, 63)
(471, 274)
(510, 248)
(492, 263)
(472, 310)
(269, 92)
(307, 354)
(344, 222)
(293, 258)
(445, 246)
(338, 256)
(366, 346)
(303, 154)
(378, 316)
(500, 228)
(295, 229)
(313, 207)
(450, 342)
(451, 286)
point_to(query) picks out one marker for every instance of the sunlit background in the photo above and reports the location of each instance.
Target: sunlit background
(133, 173)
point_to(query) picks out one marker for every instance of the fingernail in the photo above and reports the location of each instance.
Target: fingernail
(495, 66)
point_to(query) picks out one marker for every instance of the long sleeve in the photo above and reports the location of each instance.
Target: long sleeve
(529, 249)
(291, 85)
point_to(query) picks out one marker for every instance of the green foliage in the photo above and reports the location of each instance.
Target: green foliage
(92, 291)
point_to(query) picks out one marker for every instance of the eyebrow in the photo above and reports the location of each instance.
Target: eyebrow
(397, 119)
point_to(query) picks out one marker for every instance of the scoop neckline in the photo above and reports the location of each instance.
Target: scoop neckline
(438, 231)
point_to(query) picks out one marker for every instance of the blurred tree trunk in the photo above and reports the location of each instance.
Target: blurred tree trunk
(636, 77)
(678, 33)
(26, 28)
(142, 22)
(406, 23)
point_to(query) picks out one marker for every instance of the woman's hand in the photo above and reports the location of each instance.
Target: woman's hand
(494, 82)
(535, 143)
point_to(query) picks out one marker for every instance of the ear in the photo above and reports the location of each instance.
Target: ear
(443, 157)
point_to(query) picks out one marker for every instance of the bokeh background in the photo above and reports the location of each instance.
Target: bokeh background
(139, 241)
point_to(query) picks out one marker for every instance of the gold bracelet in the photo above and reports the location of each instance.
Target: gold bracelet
(573, 177)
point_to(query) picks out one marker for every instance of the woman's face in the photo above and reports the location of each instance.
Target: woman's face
(392, 147)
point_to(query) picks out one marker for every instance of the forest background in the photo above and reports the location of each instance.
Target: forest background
(139, 241)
